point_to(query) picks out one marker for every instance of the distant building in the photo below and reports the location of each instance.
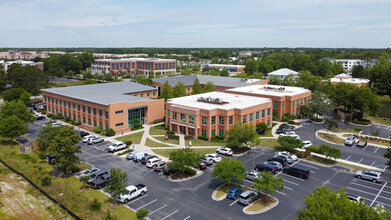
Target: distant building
(134, 65)
(346, 78)
(220, 82)
(348, 64)
(22, 55)
(230, 68)
(110, 55)
(212, 114)
(284, 72)
(7, 64)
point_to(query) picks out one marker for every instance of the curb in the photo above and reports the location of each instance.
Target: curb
(215, 192)
(199, 173)
(276, 201)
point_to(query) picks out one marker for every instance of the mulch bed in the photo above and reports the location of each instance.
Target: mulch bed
(180, 175)
(240, 150)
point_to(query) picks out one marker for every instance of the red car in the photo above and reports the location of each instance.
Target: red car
(202, 165)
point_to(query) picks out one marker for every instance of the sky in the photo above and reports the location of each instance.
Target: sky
(196, 23)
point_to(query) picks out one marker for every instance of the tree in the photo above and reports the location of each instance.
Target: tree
(241, 135)
(311, 82)
(18, 109)
(182, 159)
(46, 136)
(330, 123)
(166, 92)
(224, 72)
(84, 179)
(387, 155)
(209, 87)
(179, 90)
(141, 214)
(3, 79)
(318, 104)
(197, 89)
(28, 77)
(324, 203)
(274, 80)
(330, 151)
(289, 143)
(117, 183)
(228, 169)
(289, 80)
(12, 127)
(251, 66)
(268, 183)
(64, 147)
(261, 128)
(16, 94)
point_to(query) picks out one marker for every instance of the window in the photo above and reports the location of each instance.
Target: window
(84, 109)
(268, 123)
(221, 132)
(283, 104)
(221, 120)
(69, 114)
(275, 114)
(244, 119)
(305, 100)
(100, 124)
(191, 119)
(275, 104)
(148, 94)
(263, 113)
(213, 120)
(44, 98)
(100, 113)
(251, 117)
(94, 111)
(282, 115)
(84, 120)
(49, 108)
(203, 133)
(297, 113)
(293, 104)
(154, 93)
(218, 89)
(256, 115)
(203, 120)
(78, 118)
(119, 112)
(183, 118)
(268, 112)
(213, 133)
(297, 102)
(301, 101)
(69, 105)
(61, 103)
(119, 124)
(174, 116)
(106, 115)
(74, 106)
(89, 121)
(106, 126)
(53, 100)
(94, 123)
(89, 110)
(78, 108)
(231, 120)
(142, 95)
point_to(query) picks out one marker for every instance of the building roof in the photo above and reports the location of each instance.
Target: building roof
(224, 65)
(343, 75)
(283, 72)
(350, 80)
(229, 101)
(104, 93)
(135, 59)
(271, 90)
(204, 79)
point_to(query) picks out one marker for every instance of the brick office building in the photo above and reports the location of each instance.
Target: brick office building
(214, 113)
(286, 99)
(108, 105)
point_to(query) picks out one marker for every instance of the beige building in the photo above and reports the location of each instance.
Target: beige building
(346, 78)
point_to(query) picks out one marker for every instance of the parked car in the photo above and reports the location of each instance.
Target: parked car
(100, 182)
(96, 175)
(146, 158)
(354, 197)
(253, 175)
(152, 162)
(265, 167)
(247, 197)
(234, 193)
(284, 128)
(280, 159)
(286, 153)
(89, 171)
(159, 166)
(207, 160)
(57, 125)
(117, 146)
(371, 175)
(278, 166)
(87, 137)
(129, 156)
(361, 143)
(297, 171)
(291, 135)
(307, 143)
(289, 159)
(168, 170)
(214, 157)
(39, 117)
(138, 155)
(351, 140)
(224, 151)
(83, 133)
(132, 192)
(95, 140)
(202, 165)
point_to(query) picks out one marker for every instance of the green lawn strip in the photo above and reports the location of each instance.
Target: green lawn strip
(151, 143)
(268, 133)
(269, 143)
(171, 141)
(341, 130)
(157, 130)
(378, 120)
(65, 190)
(202, 151)
(332, 138)
(199, 142)
(135, 137)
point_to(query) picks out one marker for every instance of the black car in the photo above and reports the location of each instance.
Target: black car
(168, 170)
(297, 171)
(265, 167)
(83, 133)
(146, 158)
(284, 128)
(280, 159)
(100, 182)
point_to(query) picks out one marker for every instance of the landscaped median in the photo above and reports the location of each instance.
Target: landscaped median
(331, 138)
(134, 137)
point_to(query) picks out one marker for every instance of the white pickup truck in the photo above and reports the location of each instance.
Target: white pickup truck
(132, 192)
(117, 146)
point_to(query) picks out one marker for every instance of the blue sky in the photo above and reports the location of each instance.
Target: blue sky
(212, 23)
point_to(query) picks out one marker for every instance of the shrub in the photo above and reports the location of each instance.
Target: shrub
(128, 142)
(313, 149)
(95, 205)
(75, 169)
(291, 122)
(97, 129)
(142, 214)
(67, 119)
(300, 154)
(50, 115)
(110, 132)
(166, 128)
(319, 119)
(362, 122)
(46, 181)
(214, 138)
(170, 132)
(77, 123)
(189, 171)
(173, 136)
(188, 137)
(357, 129)
(307, 153)
(203, 138)
(285, 119)
(41, 155)
(43, 112)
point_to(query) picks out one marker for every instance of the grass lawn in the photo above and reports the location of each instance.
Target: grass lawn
(135, 137)
(320, 160)
(379, 120)
(332, 138)
(151, 143)
(268, 133)
(202, 151)
(157, 130)
(341, 130)
(270, 143)
(199, 142)
(171, 141)
(258, 205)
(65, 190)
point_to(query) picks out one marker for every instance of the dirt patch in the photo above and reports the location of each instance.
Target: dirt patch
(180, 175)
(240, 150)
(114, 205)
(84, 189)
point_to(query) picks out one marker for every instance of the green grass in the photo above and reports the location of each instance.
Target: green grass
(379, 120)
(202, 151)
(171, 141)
(332, 138)
(157, 130)
(270, 143)
(135, 137)
(199, 142)
(321, 160)
(341, 130)
(151, 143)
(268, 133)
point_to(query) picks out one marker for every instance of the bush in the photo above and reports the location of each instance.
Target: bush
(285, 119)
(75, 169)
(203, 138)
(173, 136)
(128, 142)
(188, 137)
(46, 181)
(300, 154)
(77, 123)
(357, 129)
(214, 138)
(307, 153)
(170, 132)
(189, 171)
(319, 119)
(110, 132)
(362, 122)
(291, 122)
(142, 214)
(95, 205)
(313, 149)
(166, 128)
(98, 129)
(50, 115)
(43, 112)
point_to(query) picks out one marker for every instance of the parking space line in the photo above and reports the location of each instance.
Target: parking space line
(187, 217)
(160, 173)
(376, 149)
(309, 166)
(137, 199)
(365, 147)
(281, 193)
(169, 215)
(360, 160)
(234, 202)
(157, 210)
(292, 176)
(146, 204)
(285, 187)
(290, 182)
(378, 194)
(369, 182)
(348, 158)
(249, 181)
(364, 186)
(373, 163)
(348, 187)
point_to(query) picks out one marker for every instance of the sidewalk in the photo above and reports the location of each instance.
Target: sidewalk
(340, 135)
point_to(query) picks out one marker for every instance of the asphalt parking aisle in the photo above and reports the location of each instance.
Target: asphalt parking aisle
(372, 193)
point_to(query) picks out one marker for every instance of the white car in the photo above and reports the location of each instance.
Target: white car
(287, 154)
(307, 143)
(117, 146)
(152, 162)
(216, 158)
(225, 151)
(350, 140)
(85, 138)
(289, 133)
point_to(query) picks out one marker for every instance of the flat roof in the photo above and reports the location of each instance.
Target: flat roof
(134, 59)
(283, 72)
(225, 65)
(104, 93)
(272, 90)
(349, 80)
(229, 101)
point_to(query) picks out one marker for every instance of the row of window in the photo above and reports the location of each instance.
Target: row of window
(142, 95)
(221, 132)
(297, 102)
(73, 116)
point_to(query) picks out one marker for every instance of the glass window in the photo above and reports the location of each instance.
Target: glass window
(119, 124)
(203, 133)
(293, 104)
(268, 123)
(106, 126)
(142, 95)
(191, 119)
(256, 115)
(78, 108)
(282, 114)
(275, 114)
(154, 93)
(305, 100)
(69, 104)
(203, 120)
(174, 116)
(95, 123)
(263, 113)
(100, 124)
(89, 110)
(74, 106)
(231, 120)
(183, 118)
(221, 132)
(119, 112)
(221, 120)
(283, 104)
(301, 101)
(44, 98)
(268, 111)
(106, 115)
(251, 117)
(244, 119)
(275, 104)
(136, 114)
(297, 102)
(61, 103)
(84, 109)
(84, 120)
(89, 121)
(213, 133)
(94, 111)
(78, 118)
(213, 120)
(297, 113)
(100, 113)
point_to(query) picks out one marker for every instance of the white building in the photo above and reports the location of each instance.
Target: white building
(348, 64)
(6, 65)
(284, 72)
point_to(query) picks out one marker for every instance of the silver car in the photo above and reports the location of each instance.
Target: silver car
(89, 171)
(208, 161)
(253, 175)
(288, 158)
(371, 175)
(95, 140)
(247, 197)
(276, 164)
